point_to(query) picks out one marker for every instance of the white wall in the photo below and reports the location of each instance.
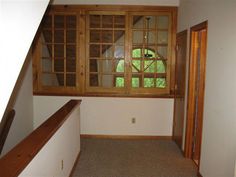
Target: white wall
(22, 124)
(112, 116)
(123, 2)
(19, 23)
(218, 152)
(48, 161)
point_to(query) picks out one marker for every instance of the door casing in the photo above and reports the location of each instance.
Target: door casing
(197, 68)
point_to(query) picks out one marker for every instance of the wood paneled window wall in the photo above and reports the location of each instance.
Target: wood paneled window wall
(106, 51)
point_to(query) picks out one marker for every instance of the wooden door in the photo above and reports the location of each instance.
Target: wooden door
(197, 66)
(180, 70)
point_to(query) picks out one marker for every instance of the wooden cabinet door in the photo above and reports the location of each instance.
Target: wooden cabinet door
(180, 70)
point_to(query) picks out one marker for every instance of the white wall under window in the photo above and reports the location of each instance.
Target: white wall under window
(112, 116)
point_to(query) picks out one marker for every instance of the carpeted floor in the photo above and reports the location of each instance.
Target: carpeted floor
(132, 158)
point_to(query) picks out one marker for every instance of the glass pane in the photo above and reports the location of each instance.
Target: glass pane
(138, 22)
(151, 38)
(70, 80)
(119, 52)
(107, 21)
(107, 36)
(59, 65)
(162, 52)
(148, 82)
(71, 21)
(107, 80)
(47, 51)
(120, 82)
(120, 66)
(70, 36)
(150, 22)
(46, 65)
(95, 21)
(47, 36)
(149, 66)
(135, 82)
(52, 79)
(162, 37)
(70, 65)
(163, 22)
(149, 53)
(107, 51)
(137, 37)
(59, 50)
(59, 21)
(94, 51)
(59, 36)
(95, 36)
(70, 51)
(161, 66)
(47, 21)
(119, 37)
(136, 65)
(161, 82)
(93, 65)
(93, 80)
(106, 66)
(119, 21)
(137, 53)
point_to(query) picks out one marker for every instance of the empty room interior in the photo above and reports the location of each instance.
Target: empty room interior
(118, 88)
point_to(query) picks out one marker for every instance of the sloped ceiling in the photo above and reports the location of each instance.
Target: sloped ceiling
(20, 21)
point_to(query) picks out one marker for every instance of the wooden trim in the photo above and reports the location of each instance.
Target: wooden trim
(104, 95)
(75, 164)
(130, 8)
(199, 174)
(200, 26)
(6, 128)
(191, 88)
(14, 162)
(126, 137)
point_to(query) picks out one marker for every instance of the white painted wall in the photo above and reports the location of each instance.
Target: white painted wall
(120, 2)
(218, 152)
(48, 161)
(22, 124)
(112, 116)
(19, 23)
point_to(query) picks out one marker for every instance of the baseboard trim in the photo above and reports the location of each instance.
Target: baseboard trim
(74, 166)
(127, 137)
(199, 174)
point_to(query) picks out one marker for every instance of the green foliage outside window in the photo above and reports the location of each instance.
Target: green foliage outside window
(150, 66)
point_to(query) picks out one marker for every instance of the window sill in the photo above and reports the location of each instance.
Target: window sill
(106, 95)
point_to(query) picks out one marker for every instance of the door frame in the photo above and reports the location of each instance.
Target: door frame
(191, 90)
(182, 33)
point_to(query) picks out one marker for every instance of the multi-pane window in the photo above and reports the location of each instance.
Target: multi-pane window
(81, 51)
(58, 50)
(106, 50)
(151, 67)
(150, 51)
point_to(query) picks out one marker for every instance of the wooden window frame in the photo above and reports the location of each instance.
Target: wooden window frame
(81, 88)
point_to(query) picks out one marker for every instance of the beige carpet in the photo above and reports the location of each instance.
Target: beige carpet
(132, 158)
